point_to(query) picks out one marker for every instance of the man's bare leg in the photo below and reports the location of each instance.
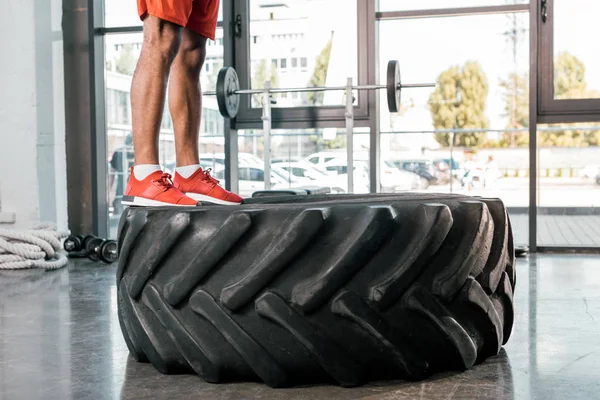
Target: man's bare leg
(148, 88)
(185, 98)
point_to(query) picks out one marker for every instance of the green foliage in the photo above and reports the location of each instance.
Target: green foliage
(569, 137)
(319, 77)
(262, 72)
(338, 143)
(569, 83)
(569, 77)
(213, 76)
(458, 102)
(516, 96)
(126, 61)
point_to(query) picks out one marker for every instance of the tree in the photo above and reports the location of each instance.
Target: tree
(261, 72)
(516, 95)
(126, 61)
(458, 102)
(569, 77)
(213, 75)
(319, 76)
(569, 83)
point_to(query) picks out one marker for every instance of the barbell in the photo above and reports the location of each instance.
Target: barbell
(228, 89)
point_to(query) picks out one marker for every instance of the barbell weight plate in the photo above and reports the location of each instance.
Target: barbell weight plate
(227, 83)
(393, 86)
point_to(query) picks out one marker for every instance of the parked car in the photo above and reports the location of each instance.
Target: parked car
(398, 180)
(423, 168)
(338, 171)
(219, 158)
(591, 171)
(321, 158)
(392, 180)
(276, 160)
(433, 172)
(251, 178)
(446, 164)
(307, 173)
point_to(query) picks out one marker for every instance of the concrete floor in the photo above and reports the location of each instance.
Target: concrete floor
(60, 339)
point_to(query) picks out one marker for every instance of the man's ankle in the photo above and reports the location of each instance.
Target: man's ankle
(142, 171)
(187, 170)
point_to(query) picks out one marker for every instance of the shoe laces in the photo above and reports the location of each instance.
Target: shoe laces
(208, 177)
(164, 182)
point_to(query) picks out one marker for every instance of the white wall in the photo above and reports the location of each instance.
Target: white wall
(32, 129)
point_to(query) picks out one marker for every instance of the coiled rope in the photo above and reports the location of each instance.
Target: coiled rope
(35, 248)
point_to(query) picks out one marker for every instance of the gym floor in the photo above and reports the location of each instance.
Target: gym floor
(60, 339)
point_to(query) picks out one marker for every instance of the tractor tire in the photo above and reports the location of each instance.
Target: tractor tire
(341, 289)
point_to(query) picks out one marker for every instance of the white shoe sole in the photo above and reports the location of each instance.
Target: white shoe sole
(142, 202)
(207, 199)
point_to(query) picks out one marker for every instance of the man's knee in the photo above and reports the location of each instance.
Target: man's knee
(162, 37)
(193, 51)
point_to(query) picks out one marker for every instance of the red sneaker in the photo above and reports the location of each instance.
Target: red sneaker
(155, 190)
(203, 187)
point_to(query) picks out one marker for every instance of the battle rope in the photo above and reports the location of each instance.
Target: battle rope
(35, 248)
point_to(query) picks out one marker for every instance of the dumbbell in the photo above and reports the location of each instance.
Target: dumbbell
(76, 243)
(97, 249)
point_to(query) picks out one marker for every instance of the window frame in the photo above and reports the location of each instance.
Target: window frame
(307, 116)
(551, 110)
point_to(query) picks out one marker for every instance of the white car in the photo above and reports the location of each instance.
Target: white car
(308, 174)
(251, 178)
(398, 180)
(323, 157)
(591, 171)
(218, 159)
(338, 168)
(392, 180)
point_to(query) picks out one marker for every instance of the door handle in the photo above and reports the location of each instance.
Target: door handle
(544, 13)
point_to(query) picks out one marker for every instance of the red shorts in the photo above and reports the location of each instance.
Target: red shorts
(199, 16)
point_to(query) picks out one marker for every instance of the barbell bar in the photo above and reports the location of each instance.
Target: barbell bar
(324, 88)
(228, 89)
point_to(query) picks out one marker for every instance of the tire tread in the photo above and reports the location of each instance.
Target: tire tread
(337, 288)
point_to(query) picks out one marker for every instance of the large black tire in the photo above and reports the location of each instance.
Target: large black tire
(306, 289)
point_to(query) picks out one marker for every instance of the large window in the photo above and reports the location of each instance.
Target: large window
(569, 78)
(470, 134)
(576, 62)
(303, 43)
(298, 43)
(568, 150)
(121, 13)
(395, 5)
